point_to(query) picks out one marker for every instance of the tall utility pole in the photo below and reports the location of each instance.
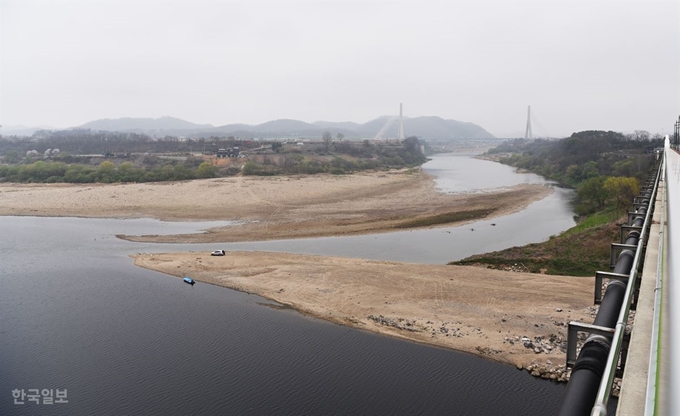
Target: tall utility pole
(400, 135)
(528, 134)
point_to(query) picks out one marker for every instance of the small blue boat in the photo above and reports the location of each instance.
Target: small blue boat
(189, 280)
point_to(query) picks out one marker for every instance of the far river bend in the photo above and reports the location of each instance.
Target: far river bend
(440, 245)
(75, 314)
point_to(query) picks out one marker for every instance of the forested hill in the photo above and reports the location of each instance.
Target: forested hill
(581, 156)
(606, 168)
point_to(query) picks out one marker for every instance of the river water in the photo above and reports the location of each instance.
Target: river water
(455, 173)
(76, 314)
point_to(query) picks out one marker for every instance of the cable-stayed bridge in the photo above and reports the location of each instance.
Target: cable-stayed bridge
(532, 120)
(427, 127)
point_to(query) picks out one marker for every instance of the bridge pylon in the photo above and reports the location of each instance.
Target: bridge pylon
(528, 134)
(400, 134)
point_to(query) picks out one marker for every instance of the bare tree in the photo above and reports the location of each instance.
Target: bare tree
(327, 137)
(639, 135)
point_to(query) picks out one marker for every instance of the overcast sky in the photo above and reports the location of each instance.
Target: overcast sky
(596, 64)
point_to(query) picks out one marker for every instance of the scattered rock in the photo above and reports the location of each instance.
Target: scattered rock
(557, 373)
(398, 323)
(547, 345)
(487, 350)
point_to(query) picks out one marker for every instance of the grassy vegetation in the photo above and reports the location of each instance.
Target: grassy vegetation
(446, 218)
(579, 251)
(600, 218)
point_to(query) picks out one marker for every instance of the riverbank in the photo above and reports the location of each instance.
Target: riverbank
(271, 208)
(514, 318)
(511, 318)
(579, 251)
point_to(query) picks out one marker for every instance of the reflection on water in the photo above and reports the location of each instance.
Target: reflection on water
(456, 173)
(147, 226)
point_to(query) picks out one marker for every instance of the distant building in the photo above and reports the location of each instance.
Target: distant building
(225, 153)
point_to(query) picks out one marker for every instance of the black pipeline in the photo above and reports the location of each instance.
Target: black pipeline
(589, 367)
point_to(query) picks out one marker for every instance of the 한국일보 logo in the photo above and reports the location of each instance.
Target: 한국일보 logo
(39, 396)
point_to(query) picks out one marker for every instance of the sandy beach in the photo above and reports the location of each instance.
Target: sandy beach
(515, 318)
(510, 317)
(269, 207)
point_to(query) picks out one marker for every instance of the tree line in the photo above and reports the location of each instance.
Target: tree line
(368, 156)
(333, 157)
(106, 172)
(86, 141)
(605, 167)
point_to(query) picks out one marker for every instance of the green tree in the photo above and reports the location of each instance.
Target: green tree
(167, 173)
(206, 170)
(38, 171)
(589, 170)
(412, 144)
(106, 171)
(622, 189)
(573, 173)
(12, 157)
(624, 168)
(182, 172)
(592, 194)
(251, 168)
(126, 172)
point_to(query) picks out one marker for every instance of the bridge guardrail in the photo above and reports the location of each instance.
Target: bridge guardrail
(671, 282)
(591, 380)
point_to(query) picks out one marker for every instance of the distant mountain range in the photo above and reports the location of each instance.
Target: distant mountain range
(143, 124)
(386, 127)
(20, 130)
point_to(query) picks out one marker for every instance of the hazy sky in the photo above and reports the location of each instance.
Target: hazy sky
(596, 64)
